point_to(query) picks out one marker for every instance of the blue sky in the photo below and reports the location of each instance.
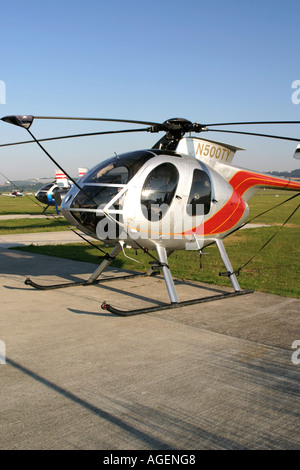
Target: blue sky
(205, 61)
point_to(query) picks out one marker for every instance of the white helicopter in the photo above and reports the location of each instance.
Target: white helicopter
(182, 194)
(14, 193)
(51, 194)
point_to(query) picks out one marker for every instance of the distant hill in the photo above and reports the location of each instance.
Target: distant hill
(24, 185)
(286, 174)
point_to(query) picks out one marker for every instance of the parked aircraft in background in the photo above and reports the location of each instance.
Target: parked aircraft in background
(53, 193)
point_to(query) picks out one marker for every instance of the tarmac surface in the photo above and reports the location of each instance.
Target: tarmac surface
(218, 375)
(40, 238)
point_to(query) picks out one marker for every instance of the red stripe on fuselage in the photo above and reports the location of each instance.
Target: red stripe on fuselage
(230, 214)
(243, 180)
(226, 218)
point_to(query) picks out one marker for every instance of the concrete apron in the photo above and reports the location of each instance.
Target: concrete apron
(218, 375)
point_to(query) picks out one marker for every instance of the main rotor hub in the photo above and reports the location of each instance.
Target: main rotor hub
(175, 129)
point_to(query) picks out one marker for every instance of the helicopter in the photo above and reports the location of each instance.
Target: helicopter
(184, 193)
(52, 194)
(14, 193)
(17, 193)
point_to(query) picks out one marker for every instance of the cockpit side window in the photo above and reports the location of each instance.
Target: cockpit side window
(200, 194)
(159, 190)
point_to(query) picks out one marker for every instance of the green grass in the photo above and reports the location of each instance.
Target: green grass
(22, 205)
(275, 270)
(267, 199)
(28, 205)
(9, 227)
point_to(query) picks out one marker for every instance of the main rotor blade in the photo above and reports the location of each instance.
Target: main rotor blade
(76, 135)
(255, 134)
(129, 121)
(250, 123)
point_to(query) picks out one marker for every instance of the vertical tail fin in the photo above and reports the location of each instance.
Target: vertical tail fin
(82, 171)
(61, 179)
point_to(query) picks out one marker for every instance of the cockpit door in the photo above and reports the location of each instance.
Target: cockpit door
(155, 202)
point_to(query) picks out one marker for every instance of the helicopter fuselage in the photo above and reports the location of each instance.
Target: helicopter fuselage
(46, 194)
(158, 197)
(155, 198)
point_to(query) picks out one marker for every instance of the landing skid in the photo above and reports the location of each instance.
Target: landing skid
(31, 283)
(93, 279)
(163, 265)
(156, 308)
(175, 303)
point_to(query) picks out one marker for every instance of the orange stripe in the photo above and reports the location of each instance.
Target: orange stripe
(243, 180)
(230, 214)
(226, 218)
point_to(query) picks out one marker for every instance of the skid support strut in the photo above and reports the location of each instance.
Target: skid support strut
(163, 259)
(228, 266)
(105, 263)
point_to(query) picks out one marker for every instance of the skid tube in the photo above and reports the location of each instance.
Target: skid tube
(172, 305)
(31, 283)
(93, 279)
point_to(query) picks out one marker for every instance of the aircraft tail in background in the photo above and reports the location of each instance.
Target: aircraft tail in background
(82, 171)
(61, 179)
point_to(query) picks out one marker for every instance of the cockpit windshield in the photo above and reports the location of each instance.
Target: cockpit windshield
(46, 187)
(118, 169)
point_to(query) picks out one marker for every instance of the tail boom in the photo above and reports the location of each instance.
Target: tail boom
(246, 183)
